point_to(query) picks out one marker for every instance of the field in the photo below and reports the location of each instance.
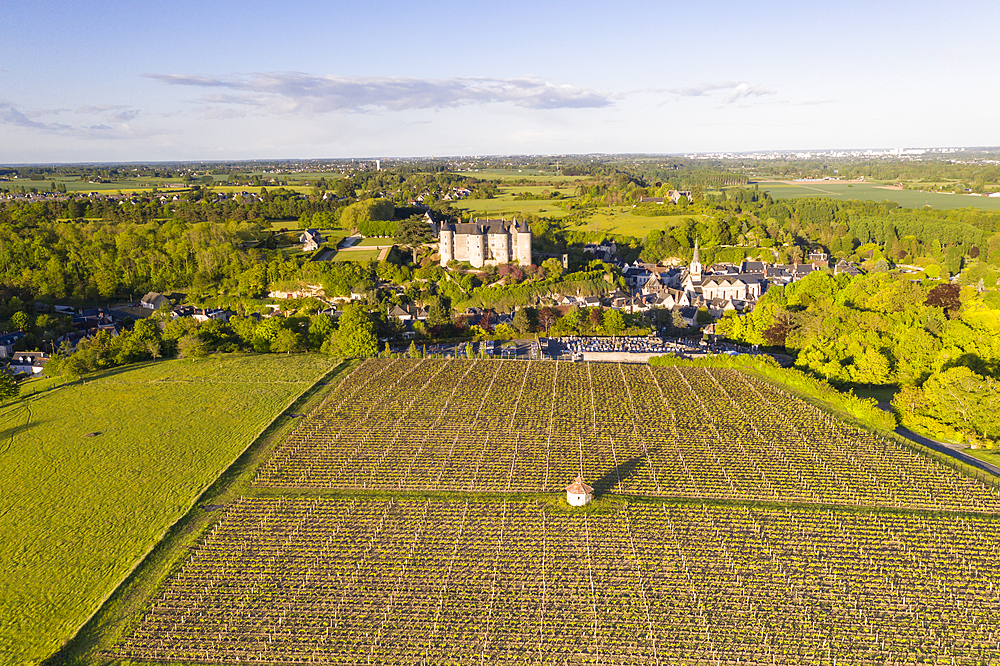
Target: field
(93, 473)
(509, 426)
(873, 192)
(615, 219)
(415, 582)
(356, 255)
(416, 517)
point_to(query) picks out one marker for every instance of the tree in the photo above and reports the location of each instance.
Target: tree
(20, 320)
(946, 297)
(288, 341)
(356, 334)
(553, 267)
(192, 346)
(9, 388)
(412, 231)
(614, 322)
(521, 321)
(412, 351)
(547, 316)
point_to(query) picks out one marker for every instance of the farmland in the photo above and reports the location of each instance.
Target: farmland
(876, 192)
(507, 426)
(106, 466)
(406, 582)
(415, 517)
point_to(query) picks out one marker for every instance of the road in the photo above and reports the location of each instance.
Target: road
(947, 450)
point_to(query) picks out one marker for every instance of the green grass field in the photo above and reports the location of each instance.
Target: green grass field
(614, 219)
(517, 174)
(875, 192)
(93, 474)
(356, 255)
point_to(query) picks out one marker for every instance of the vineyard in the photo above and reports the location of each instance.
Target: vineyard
(735, 525)
(499, 426)
(414, 582)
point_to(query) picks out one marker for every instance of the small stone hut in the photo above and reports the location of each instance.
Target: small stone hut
(579, 493)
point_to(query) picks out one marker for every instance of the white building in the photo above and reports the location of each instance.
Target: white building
(579, 493)
(485, 242)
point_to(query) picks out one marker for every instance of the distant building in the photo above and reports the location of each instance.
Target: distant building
(485, 242)
(311, 240)
(153, 300)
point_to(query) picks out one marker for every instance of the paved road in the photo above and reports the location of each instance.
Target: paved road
(941, 447)
(944, 448)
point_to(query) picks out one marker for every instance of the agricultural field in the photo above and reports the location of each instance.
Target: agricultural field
(534, 175)
(875, 192)
(416, 516)
(405, 582)
(512, 426)
(615, 220)
(93, 473)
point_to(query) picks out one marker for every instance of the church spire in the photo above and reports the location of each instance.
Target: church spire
(695, 268)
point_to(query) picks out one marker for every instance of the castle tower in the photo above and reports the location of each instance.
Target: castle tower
(446, 243)
(522, 243)
(477, 247)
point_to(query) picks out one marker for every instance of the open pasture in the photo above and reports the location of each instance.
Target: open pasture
(534, 175)
(514, 426)
(614, 220)
(93, 473)
(415, 582)
(875, 192)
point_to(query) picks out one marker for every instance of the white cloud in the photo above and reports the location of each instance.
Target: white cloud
(95, 122)
(298, 92)
(730, 91)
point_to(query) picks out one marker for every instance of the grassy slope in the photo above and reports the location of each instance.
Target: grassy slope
(79, 512)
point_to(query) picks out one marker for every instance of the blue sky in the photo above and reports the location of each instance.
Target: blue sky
(116, 81)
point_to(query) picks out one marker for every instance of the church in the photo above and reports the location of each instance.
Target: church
(485, 242)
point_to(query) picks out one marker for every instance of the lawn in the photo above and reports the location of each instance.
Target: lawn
(94, 473)
(356, 255)
(875, 192)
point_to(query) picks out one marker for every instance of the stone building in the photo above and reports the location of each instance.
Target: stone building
(579, 493)
(485, 242)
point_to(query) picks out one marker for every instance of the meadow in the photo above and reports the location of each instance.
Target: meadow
(876, 192)
(95, 471)
(613, 219)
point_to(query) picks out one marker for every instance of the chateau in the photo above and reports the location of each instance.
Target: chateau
(485, 242)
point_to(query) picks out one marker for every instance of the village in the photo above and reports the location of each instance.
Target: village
(694, 295)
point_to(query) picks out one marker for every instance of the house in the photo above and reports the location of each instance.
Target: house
(819, 259)
(605, 250)
(154, 300)
(741, 287)
(28, 363)
(844, 267)
(181, 311)
(7, 343)
(579, 493)
(218, 314)
(311, 240)
(408, 313)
